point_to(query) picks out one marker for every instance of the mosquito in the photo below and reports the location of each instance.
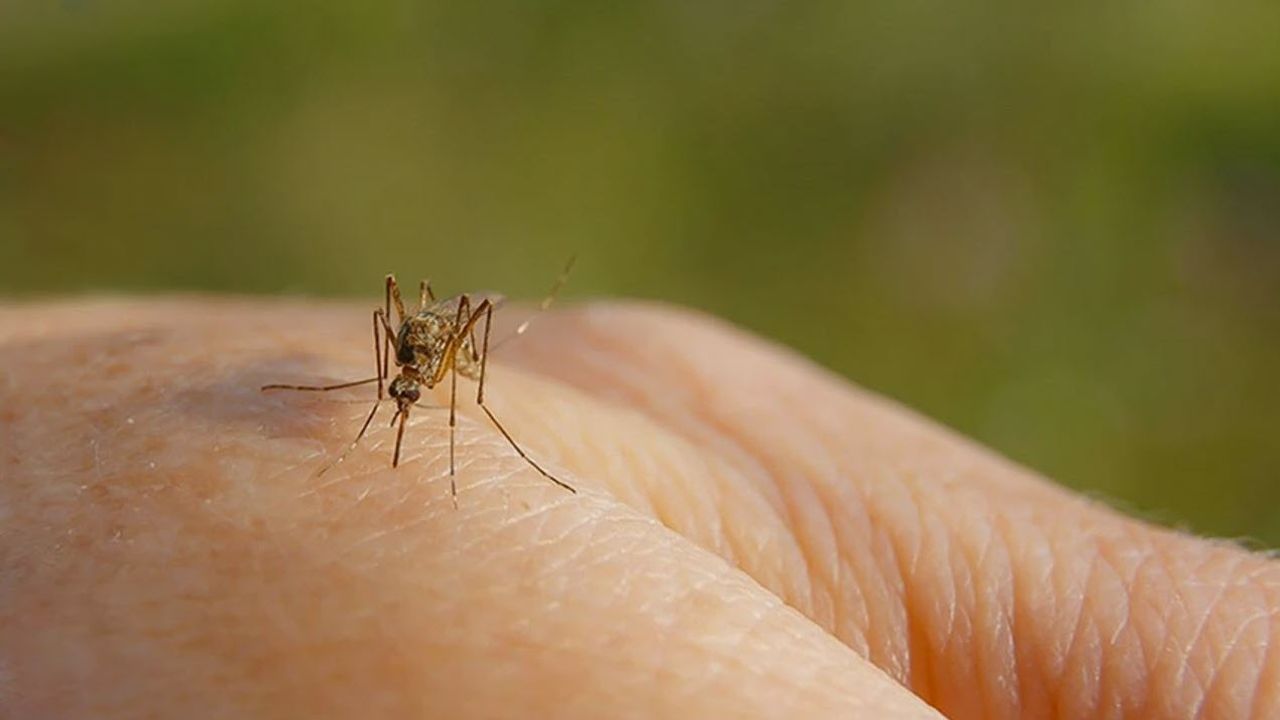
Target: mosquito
(438, 339)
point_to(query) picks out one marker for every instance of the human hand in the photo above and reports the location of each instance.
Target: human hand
(751, 538)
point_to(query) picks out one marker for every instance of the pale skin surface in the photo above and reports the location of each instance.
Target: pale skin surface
(752, 537)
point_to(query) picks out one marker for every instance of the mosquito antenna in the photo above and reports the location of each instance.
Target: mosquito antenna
(542, 306)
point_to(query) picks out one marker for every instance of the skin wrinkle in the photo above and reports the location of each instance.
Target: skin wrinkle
(721, 477)
(1266, 694)
(1048, 600)
(923, 663)
(757, 532)
(806, 515)
(1240, 645)
(907, 531)
(1141, 559)
(804, 508)
(959, 691)
(975, 555)
(1228, 703)
(726, 437)
(746, 463)
(903, 543)
(735, 541)
(1017, 489)
(739, 504)
(720, 541)
(618, 376)
(1105, 578)
(625, 456)
(1182, 608)
(1083, 665)
(840, 577)
(1259, 650)
(1034, 606)
(900, 662)
(888, 569)
(1009, 683)
(1260, 699)
(868, 578)
(1141, 693)
(1119, 645)
(1159, 624)
(1207, 629)
(678, 509)
(1196, 640)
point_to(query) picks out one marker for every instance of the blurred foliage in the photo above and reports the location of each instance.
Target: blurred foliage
(1053, 227)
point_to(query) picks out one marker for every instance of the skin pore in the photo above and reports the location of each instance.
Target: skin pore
(752, 537)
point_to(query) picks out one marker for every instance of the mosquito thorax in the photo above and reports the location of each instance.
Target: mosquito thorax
(421, 339)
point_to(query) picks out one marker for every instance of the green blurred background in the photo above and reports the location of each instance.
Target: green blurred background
(1051, 226)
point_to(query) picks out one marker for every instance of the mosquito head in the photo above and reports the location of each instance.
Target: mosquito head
(404, 390)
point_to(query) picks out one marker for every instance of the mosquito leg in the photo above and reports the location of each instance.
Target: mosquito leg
(463, 303)
(393, 295)
(453, 404)
(484, 354)
(487, 308)
(392, 292)
(319, 388)
(520, 451)
(390, 345)
(464, 311)
(424, 294)
(378, 365)
(386, 301)
(354, 443)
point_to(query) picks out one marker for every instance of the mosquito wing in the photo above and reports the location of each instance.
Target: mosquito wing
(448, 307)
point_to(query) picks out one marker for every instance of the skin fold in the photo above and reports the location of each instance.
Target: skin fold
(751, 537)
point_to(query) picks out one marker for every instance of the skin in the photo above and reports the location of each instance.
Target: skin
(751, 537)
